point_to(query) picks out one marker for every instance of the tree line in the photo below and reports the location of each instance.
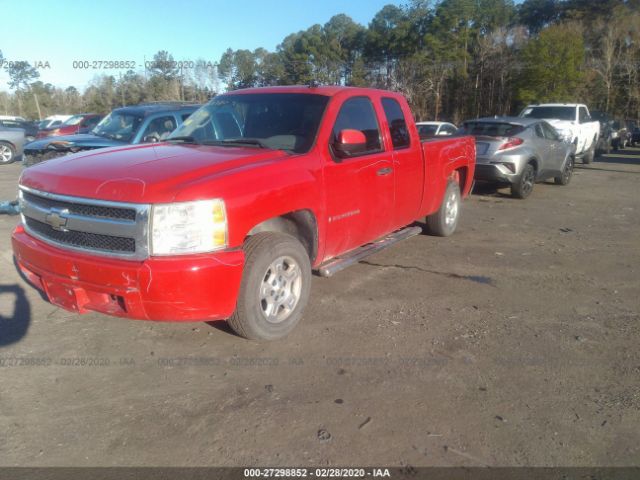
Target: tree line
(453, 59)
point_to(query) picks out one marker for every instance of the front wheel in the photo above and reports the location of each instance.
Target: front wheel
(444, 222)
(567, 172)
(7, 153)
(274, 289)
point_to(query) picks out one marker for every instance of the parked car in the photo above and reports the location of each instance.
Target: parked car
(606, 131)
(226, 219)
(81, 123)
(30, 129)
(53, 121)
(127, 125)
(573, 122)
(622, 134)
(12, 117)
(518, 152)
(434, 129)
(11, 145)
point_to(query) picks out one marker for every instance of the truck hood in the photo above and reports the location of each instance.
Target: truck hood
(150, 173)
(66, 142)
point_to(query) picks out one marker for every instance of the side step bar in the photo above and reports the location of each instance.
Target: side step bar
(337, 264)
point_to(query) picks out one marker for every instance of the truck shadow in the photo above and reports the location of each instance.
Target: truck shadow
(13, 327)
(223, 326)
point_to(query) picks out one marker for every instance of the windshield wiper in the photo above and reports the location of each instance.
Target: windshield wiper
(238, 141)
(183, 139)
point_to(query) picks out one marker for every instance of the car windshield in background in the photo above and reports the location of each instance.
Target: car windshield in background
(427, 130)
(117, 126)
(75, 120)
(559, 113)
(491, 129)
(279, 121)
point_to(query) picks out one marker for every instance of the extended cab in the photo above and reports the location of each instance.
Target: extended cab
(228, 217)
(574, 124)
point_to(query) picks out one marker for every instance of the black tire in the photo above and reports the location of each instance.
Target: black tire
(445, 221)
(567, 173)
(250, 319)
(524, 185)
(589, 155)
(7, 153)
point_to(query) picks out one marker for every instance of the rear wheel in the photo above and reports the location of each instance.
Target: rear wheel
(7, 153)
(274, 289)
(524, 185)
(444, 222)
(567, 172)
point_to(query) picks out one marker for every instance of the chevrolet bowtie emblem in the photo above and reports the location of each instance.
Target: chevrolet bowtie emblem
(56, 220)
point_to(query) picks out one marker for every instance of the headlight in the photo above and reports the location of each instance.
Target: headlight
(188, 227)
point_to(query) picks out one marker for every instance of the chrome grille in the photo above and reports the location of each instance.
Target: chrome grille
(80, 209)
(91, 226)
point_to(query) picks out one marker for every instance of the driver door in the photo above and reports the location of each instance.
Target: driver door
(359, 189)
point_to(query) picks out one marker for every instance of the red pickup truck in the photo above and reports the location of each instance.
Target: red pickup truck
(228, 217)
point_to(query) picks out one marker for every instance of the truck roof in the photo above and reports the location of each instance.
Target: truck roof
(318, 90)
(556, 105)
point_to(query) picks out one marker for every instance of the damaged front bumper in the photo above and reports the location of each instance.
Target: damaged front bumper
(181, 288)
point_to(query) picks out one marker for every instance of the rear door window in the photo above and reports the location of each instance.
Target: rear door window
(397, 123)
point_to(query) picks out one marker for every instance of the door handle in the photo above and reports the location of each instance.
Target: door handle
(384, 171)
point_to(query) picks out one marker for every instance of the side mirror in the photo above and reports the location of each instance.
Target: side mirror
(350, 143)
(150, 139)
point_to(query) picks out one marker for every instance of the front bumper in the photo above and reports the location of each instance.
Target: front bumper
(181, 288)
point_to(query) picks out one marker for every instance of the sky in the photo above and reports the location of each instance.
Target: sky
(53, 34)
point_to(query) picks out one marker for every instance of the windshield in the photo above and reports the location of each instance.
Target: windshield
(75, 120)
(282, 121)
(118, 126)
(557, 113)
(43, 124)
(491, 129)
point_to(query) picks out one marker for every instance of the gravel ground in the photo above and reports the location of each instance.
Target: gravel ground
(514, 342)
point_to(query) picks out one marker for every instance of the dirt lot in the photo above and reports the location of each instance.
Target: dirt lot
(515, 342)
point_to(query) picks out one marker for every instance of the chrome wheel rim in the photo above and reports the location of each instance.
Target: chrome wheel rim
(280, 289)
(5, 154)
(568, 170)
(451, 209)
(527, 181)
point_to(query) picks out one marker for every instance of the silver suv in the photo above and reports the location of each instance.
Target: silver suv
(520, 152)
